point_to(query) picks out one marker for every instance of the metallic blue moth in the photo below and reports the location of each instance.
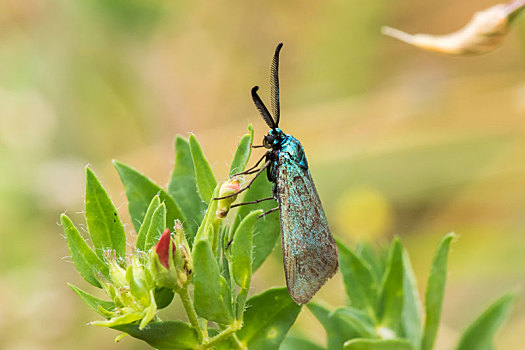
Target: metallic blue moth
(309, 250)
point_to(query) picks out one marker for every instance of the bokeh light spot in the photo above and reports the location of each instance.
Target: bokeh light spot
(363, 213)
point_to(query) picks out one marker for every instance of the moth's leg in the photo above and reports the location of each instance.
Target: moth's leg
(253, 202)
(261, 169)
(257, 146)
(268, 212)
(249, 171)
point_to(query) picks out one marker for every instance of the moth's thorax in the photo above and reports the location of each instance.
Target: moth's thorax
(291, 149)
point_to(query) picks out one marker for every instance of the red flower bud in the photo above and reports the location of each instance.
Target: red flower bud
(162, 249)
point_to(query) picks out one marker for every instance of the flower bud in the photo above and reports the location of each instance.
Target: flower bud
(140, 281)
(170, 261)
(186, 265)
(161, 262)
(163, 248)
(229, 187)
(484, 33)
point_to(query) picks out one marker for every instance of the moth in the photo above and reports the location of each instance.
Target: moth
(309, 250)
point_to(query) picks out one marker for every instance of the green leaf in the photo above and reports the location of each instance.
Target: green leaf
(242, 155)
(93, 302)
(359, 282)
(206, 182)
(242, 248)
(267, 319)
(267, 229)
(168, 335)
(86, 261)
(294, 343)
(209, 218)
(375, 257)
(337, 330)
(411, 315)
(140, 190)
(435, 292)
(183, 187)
(105, 228)
(156, 227)
(378, 344)
(211, 294)
(240, 302)
(391, 295)
(356, 319)
(144, 228)
(479, 335)
(163, 297)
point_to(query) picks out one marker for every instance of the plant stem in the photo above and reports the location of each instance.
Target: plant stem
(234, 327)
(190, 312)
(237, 342)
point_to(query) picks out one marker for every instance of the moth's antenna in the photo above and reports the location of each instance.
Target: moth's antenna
(262, 108)
(274, 85)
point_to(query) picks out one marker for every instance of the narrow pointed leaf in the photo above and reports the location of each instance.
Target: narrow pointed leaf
(183, 187)
(93, 302)
(242, 248)
(206, 182)
(105, 228)
(480, 334)
(207, 221)
(86, 261)
(140, 190)
(435, 293)
(146, 223)
(375, 257)
(412, 309)
(242, 155)
(391, 295)
(156, 227)
(168, 335)
(337, 330)
(359, 282)
(211, 294)
(378, 344)
(356, 319)
(268, 318)
(267, 229)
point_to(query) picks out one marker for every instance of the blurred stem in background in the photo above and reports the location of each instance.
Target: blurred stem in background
(483, 34)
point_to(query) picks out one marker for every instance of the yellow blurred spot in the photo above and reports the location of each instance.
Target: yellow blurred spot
(272, 333)
(364, 213)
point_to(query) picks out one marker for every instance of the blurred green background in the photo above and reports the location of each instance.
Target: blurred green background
(399, 141)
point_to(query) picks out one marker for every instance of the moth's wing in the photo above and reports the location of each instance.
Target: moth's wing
(309, 250)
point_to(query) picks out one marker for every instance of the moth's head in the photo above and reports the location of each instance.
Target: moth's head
(274, 138)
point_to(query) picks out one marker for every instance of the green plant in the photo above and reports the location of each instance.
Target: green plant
(209, 250)
(385, 312)
(216, 250)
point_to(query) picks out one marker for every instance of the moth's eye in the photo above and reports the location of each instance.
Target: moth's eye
(268, 141)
